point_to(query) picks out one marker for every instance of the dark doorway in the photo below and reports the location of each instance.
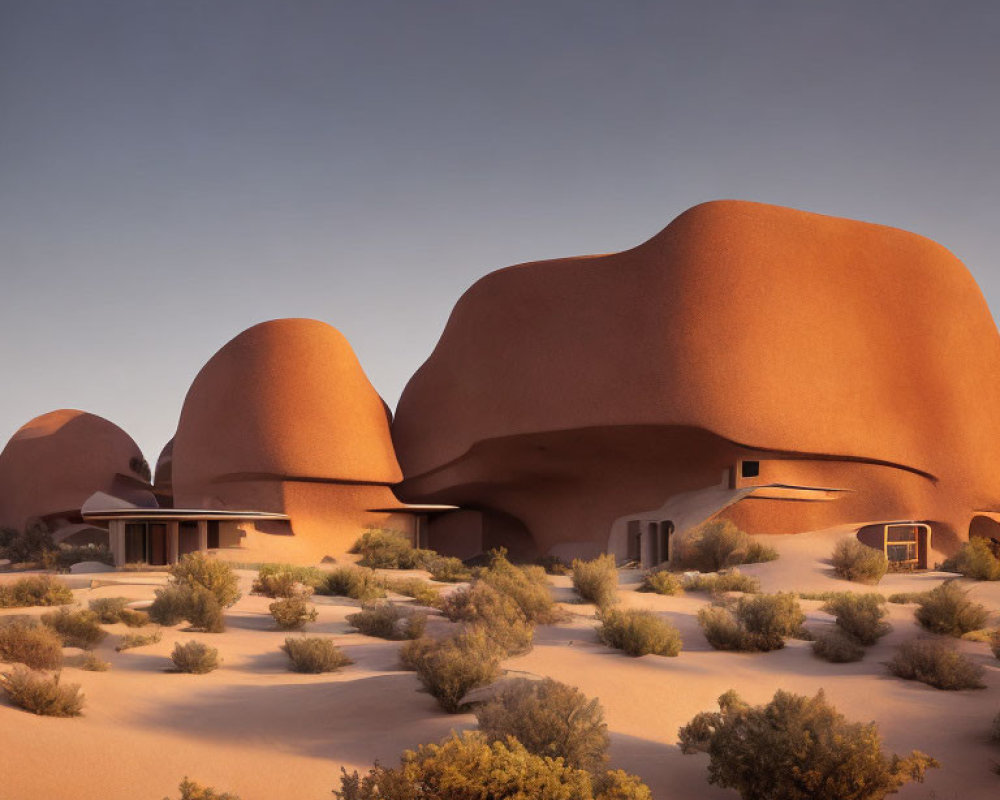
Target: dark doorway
(666, 530)
(213, 534)
(633, 549)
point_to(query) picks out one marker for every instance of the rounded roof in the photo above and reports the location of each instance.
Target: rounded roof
(775, 328)
(56, 461)
(288, 399)
(164, 465)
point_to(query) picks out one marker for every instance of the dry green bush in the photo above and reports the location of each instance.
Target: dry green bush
(385, 549)
(730, 581)
(287, 580)
(195, 657)
(91, 662)
(134, 618)
(553, 565)
(468, 767)
(448, 569)
(937, 663)
(314, 654)
(948, 609)
(837, 647)
(132, 640)
(40, 694)
(420, 590)
(197, 570)
(855, 561)
(528, 586)
(204, 612)
(292, 613)
(550, 719)
(388, 621)
(76, 628)
(450, 668)
(24, 641)
(195, 791)
(32, 545)
(358, 583)
(597, 581)
(35, 590)
(170, 605)
(975, 559)
(661, 581)
(797, 748)
(498, 614)
(108, 609)
(755, 624)
(638, 632)
(860, 616)
(719, 544)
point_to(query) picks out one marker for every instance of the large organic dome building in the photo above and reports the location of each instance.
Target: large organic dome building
(786, 370)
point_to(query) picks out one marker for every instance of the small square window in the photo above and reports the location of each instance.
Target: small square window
(750, 469)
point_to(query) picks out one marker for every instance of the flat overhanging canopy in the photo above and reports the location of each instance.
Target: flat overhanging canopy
(415, 508)
(179, 514)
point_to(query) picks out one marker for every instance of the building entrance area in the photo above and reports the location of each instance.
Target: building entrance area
(146, 542)
(906, 545)
(649, 541)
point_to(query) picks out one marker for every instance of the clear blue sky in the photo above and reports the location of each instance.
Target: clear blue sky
(173, 172)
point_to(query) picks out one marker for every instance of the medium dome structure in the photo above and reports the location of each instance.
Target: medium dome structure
(784, 369)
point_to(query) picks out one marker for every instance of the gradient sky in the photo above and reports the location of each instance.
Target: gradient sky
(173, 172)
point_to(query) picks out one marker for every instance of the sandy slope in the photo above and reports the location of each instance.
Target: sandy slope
(258, 730)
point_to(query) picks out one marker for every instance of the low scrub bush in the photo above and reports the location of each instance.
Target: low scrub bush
(638, 632)
(358, 583)
(730, 581)
(855, 561)
(314, 654)
(497, 614)
(948, 609)
(661, 582)
(527, 586)
(197, 605)
(388, 621)
(292, 613)
(67, 555)
(33, 545)
(287, 580)
(718, 544)
(195, 657)
(902, 598)
(837, 647)
(199, 571)
(94, 663)
(35, 590)
(134, 618)
(797, 748)
(420, 590)
(755, 624)
(550, 719)
(469, 767)
(450, 668)
(975, 559)
(108, 609)
(195, 791)
(385, 549)
(132, 640)
(76, 628)
(40, 694)
(937, 663)
(26, 642)
(597, 581)
(170, 605)
(860, 616)
(553, 565)
(448, 569)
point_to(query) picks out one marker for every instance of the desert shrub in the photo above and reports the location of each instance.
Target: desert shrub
(468, 767)
(718, 544)
(67, 555)
(860, 616)
(553, 565)
(901, 598)
(450, 668)
(195, 657)
(420, 590)
(975, 559)
(527, 586)
(797, 748)
(76, 628)
(550, 719)
(195, 791)
(134, 618)
(26, 642)
(729, 581)
(755, 624)
(40, 694)
(133, 640)
(108, 609)
(197, 570)
(354, 582)
(388, 621)
(448, 569)
(638, 632)
(292, 613)
(35, 590)
(855, 561)
(385, 549)
(287, 580)
(204, 612)
(498, 614)
(94, 663)
(661, 582)
(597, 581)
(314, 654)
(937, 663)
(170, 605)
(837, 647)
(948, 609)
(32, 545)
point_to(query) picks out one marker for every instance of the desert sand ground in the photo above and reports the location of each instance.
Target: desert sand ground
(256, 729)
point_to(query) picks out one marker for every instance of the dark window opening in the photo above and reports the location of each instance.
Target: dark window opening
(750, 469)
